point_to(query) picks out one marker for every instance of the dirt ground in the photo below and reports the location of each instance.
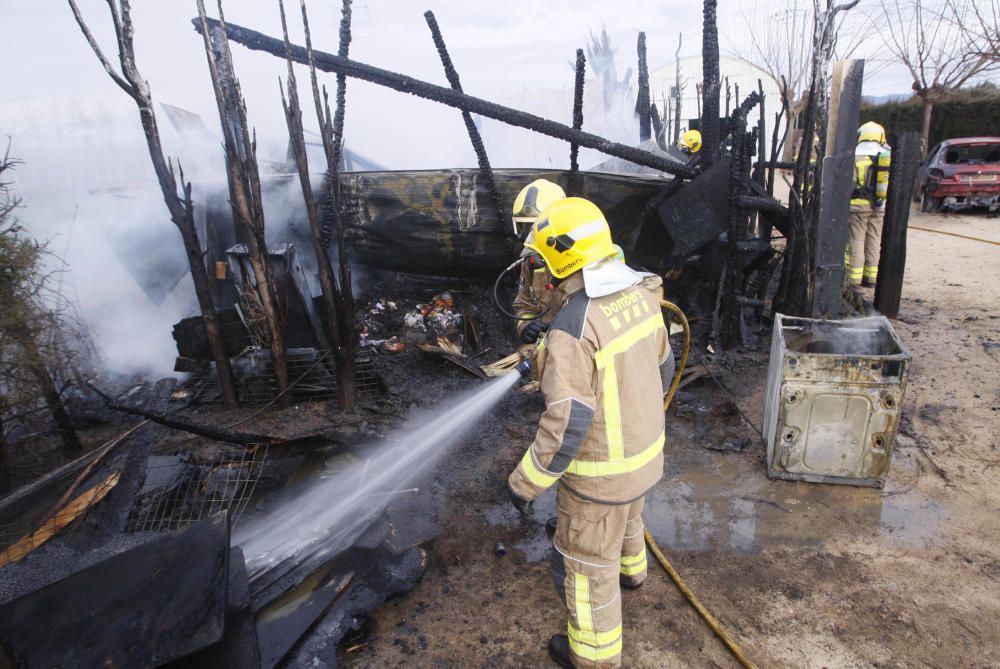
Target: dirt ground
(802, 575)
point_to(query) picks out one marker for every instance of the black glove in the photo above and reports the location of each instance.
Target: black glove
(523, 506)
(532, 331)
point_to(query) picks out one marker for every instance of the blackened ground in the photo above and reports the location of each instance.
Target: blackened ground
(802, 575)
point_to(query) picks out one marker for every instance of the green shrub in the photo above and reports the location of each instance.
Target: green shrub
(969, 112)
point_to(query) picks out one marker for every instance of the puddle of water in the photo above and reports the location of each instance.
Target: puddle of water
(911, 520)
(536, 543)
(710, 500)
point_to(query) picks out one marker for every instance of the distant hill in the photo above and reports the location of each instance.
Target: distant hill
(883, 99)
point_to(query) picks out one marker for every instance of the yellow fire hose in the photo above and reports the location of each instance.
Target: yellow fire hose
(661, 558)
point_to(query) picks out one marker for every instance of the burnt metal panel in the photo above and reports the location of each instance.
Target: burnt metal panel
(442, 222)
(692, 217)
(140, 608)
(834, 395)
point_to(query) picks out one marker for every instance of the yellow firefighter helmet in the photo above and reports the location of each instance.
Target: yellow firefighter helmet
(532, 200)
(571, 234)
(690, 142)
(871, 132)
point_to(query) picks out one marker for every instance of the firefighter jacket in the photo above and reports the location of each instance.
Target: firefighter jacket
(601, 366)
(535, 295)
(871, 174)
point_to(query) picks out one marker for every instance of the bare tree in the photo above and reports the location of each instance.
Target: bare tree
(781, 45)
(245, 196)
(982, 32)
(331, 126)
(334, 304)
(178, 203)
(795, 290)
(935, 47)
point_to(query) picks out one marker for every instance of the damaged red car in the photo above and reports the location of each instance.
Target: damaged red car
(960, 174)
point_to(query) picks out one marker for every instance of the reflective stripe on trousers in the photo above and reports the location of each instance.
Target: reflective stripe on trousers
(591, 545)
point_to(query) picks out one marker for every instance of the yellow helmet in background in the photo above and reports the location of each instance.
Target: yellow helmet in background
(571, 234)
(690, 141)
(533, 199)
(871, 132)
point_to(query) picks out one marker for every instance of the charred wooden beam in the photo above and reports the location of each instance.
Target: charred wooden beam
(222, 433)
(761, 203)
(837, 183)
(906, 148)
(240, 146)
(642, 100)
(657, 123)
(731, 282)
(485, 170)
(758, 167)
(343, 48)
(331, 130)
(404, 84)
(324, 269)
(710, 130)
(574, 148)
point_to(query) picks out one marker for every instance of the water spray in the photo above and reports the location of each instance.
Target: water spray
(331, 514)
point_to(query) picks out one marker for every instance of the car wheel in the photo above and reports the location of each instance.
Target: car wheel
(930, 205)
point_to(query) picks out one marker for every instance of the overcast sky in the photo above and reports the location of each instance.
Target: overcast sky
(501, 49)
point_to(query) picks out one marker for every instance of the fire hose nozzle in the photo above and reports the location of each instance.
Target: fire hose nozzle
(525, 369)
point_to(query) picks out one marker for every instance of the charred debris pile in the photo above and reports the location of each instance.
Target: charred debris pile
(382, 287)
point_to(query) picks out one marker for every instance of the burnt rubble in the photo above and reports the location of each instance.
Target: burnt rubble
(139, 528)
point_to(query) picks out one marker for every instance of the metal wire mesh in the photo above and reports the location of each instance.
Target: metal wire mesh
(183, 485)
(312, 370)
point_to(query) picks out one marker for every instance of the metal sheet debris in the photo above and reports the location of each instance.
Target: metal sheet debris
(834, 395)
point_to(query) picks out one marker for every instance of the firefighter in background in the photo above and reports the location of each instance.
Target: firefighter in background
(690, 142)
(533, 302)
(604, 364)
(872, 157)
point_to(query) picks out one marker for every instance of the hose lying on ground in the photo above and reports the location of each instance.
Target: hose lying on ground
(661, 558)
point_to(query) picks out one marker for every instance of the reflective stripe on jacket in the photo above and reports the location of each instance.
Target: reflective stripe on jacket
(602, 429)
(871, 174)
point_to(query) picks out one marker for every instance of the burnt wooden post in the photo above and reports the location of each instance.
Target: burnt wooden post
(727, 328)
(710, 130)
(331, 128)
(485, 171)
(837, 176)
(576, 187)
(906, 149)
(245, 199)
(642, 100)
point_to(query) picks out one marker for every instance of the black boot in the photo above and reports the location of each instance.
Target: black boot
(627, 582)
(559, 650)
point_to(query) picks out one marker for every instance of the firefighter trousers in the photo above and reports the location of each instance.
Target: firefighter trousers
(865, 238)
(595, 545)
